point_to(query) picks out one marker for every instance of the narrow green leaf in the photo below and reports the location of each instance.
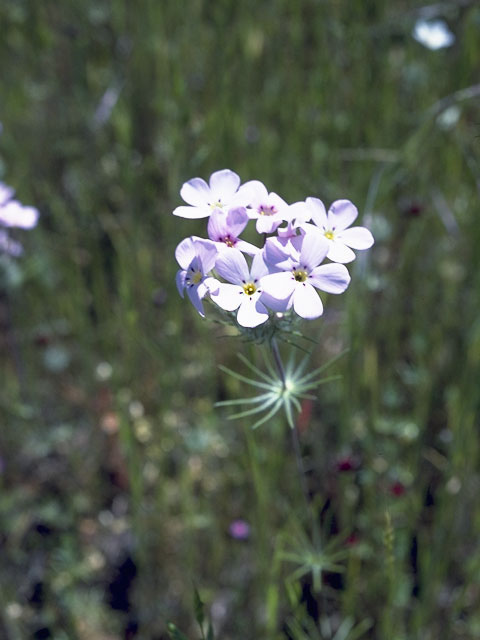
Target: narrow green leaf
(253, 368)
(198, 608)
(250, 412)
(271, 413)
(229, 403)
(238, 376)
(210, 635)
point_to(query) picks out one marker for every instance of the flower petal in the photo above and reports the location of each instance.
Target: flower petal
(306, 301)
(212, 285)
(276, 251)
(300, 212)
(274, 303)
(258, 268)
(341, 214)
(318, 212)
(252, 312)
(223, 185)
(314, 249)
(279, 285)
(192, 293)
(185, 253)
(237, 220)
(217, 226)
(207, 253)
(357, 238)
(180, 281)
(332, 278)
(246, 194)
(192, 212)
(339, 252)
(268, 224)
(257, 190)
(228, 296)
(232, 266)
(196, 192)
(247, 247)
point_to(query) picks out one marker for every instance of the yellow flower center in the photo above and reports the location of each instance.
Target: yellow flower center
(329, 235)
(249, 288)
(229, 242)
(266, 210)
(197, 276)
(300, 275)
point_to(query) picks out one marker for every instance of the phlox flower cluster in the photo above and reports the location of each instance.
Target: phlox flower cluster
(301, 248)
(13, 214)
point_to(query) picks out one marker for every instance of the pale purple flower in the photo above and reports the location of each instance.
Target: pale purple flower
(223, 192)
(245, 291)
(14, 214)
(279, 249)
(239, 529)
(334, 226)
(224, 230)
(296, 283)
(197, 259)
(268, 209)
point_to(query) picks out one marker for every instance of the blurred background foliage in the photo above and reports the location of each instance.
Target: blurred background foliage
(119, 480)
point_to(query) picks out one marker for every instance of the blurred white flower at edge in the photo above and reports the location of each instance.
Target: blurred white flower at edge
(433, 34)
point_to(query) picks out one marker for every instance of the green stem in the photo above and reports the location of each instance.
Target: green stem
(295, 437)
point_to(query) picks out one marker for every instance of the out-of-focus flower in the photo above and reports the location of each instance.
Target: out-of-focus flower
(433, 34)
(197, 258)
(222, 192)
(334, 226)
(346, 463)
(239, 529)
(14, 214)
(397, 489)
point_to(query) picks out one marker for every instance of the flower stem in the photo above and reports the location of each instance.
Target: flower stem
(295, 437)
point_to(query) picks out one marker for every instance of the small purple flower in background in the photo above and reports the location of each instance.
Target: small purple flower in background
(334, 227)
(244, 293)
(223, 192)
(296, 283)
(197, 258)
(268, 209)
(239, 529)
(224, 230)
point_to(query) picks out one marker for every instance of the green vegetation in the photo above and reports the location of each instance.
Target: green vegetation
(119, 478)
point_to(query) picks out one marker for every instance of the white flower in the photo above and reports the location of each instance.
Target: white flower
(196, 257)
(296, 283)
(14, 214)
(245, 290)
(268, 209)
(433, 34)
(334, 225)
(223, 192)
